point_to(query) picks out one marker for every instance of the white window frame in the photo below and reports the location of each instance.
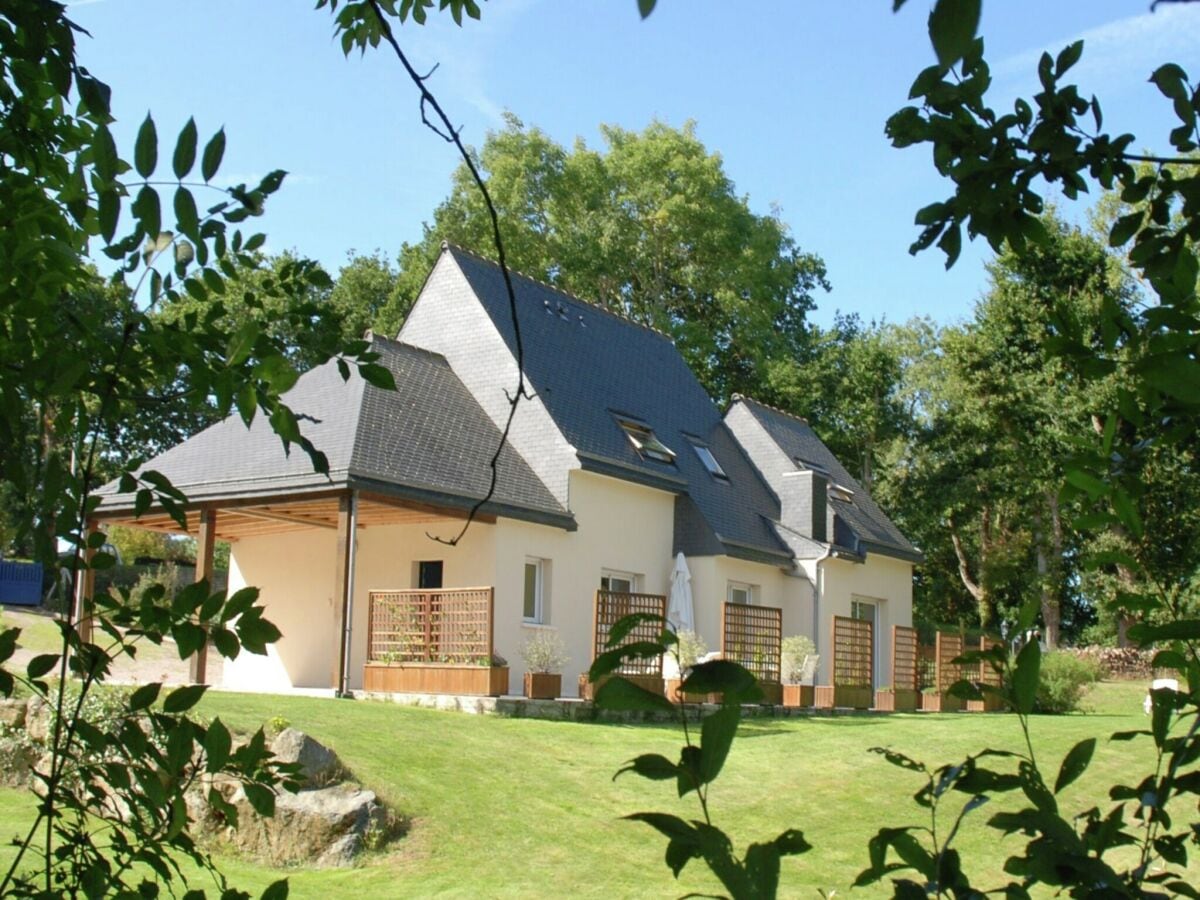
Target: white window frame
(610, 574)
(709, 461)
(645, 441)
(750, 591)
(539, 591)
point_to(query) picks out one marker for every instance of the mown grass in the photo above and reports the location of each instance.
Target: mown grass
(526, 808)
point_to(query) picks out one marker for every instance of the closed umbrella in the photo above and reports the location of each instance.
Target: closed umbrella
(679, 612)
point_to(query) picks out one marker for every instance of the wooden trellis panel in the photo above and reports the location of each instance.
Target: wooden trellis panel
(988, 675)
(611, 607)
(949, 648)
(752, 636)
(905, 658)
(853, 652)
(449, 625)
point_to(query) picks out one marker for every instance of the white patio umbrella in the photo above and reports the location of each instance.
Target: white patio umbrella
(679, 610)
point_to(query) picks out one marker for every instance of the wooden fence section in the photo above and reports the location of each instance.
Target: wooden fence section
(752, 636)
(949, 648)
(853, 652)
(905, 659)
(611, 607)
(422, 626)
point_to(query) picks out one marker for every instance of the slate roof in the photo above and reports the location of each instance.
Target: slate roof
(427, 441)
(864, 526)
(590, 366)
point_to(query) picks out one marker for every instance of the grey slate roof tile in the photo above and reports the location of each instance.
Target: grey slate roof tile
(427, 438)
(868, 524)
(589, 365)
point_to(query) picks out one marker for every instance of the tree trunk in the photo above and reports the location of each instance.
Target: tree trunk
(1049, 568)
(976, 588)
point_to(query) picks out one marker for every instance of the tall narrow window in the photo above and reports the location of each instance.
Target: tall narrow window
(429, 574)
(534, 590)
(710, 462)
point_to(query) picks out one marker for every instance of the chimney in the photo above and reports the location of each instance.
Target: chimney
(803, 505)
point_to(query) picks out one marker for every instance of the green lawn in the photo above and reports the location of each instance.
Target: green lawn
(526, 808)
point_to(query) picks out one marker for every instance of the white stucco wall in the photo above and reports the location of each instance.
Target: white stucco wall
(772, 587)
(622, 526)
(885, 581)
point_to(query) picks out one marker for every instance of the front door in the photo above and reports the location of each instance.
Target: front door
(868, 611)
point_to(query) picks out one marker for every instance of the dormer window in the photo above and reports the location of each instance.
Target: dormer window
(710, 461)
(841, 492)
(812, 466)
(644, 442)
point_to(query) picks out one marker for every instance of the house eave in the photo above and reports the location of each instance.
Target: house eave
(603, 465)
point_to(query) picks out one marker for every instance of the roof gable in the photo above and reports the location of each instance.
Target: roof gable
(797, 441)
(428, 439)
(591, 368)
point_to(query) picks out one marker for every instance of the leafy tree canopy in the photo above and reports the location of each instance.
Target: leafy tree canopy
(651, 227)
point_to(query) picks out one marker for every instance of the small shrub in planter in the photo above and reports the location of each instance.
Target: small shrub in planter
(544, 656)
(1063, 681)
(798, 658)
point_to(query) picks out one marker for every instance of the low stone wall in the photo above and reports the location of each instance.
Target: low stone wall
(1117, 662)
(575, 710)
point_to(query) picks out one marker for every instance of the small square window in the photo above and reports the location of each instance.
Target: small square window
(742, 593)
(644, 441)
(618, 582)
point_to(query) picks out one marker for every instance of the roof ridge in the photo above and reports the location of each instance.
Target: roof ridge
(370, 336)
(591, 304)
(775, 409)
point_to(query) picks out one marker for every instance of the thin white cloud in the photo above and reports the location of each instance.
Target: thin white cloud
(463, 55)
(1120, 53)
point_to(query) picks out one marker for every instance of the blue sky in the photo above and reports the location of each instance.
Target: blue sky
(793, 95)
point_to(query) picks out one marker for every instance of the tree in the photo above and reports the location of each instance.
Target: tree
(112, 791)
(650, 227)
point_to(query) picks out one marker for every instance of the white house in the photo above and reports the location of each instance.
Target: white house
(617, 463)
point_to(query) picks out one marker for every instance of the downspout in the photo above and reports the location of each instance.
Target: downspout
(818, 591)
(348, 611)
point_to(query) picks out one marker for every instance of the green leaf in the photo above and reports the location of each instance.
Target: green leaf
(1074, 763)
(186, 215)
(952, 28)
(621, 694)
(239, 603)
(1171, 80)
(1124, 228)
(145, 151)
(278, 890)
(41, 664)
(217, 744)
(144, 696)
(1180, 630)
(716, 737)
(377, 376)
(1089, 484)
(210, 162)
(184, 698)
(185, 150)
(725, 677)
(611, 660)
(261, 798)
(255, 633)
(625, 625)
(645, 7)
(1025, 677)
(1068, 57)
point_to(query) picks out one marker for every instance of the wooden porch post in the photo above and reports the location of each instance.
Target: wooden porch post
(198, 665)
(85, 587)
(343, 579)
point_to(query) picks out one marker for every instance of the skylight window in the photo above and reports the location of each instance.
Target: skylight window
(815, 467)
(644, 442)
(710, 462)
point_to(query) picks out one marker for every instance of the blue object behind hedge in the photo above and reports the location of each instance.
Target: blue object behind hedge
(21, 583)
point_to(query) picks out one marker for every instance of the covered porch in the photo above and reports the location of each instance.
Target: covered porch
(316, 556)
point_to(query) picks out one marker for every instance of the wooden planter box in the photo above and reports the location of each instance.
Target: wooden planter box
(941, 703)
(435, 678)
(543, 685)
(652, 683)
(989, 703)
(826, 696)
(900, 700)
(798, 695)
